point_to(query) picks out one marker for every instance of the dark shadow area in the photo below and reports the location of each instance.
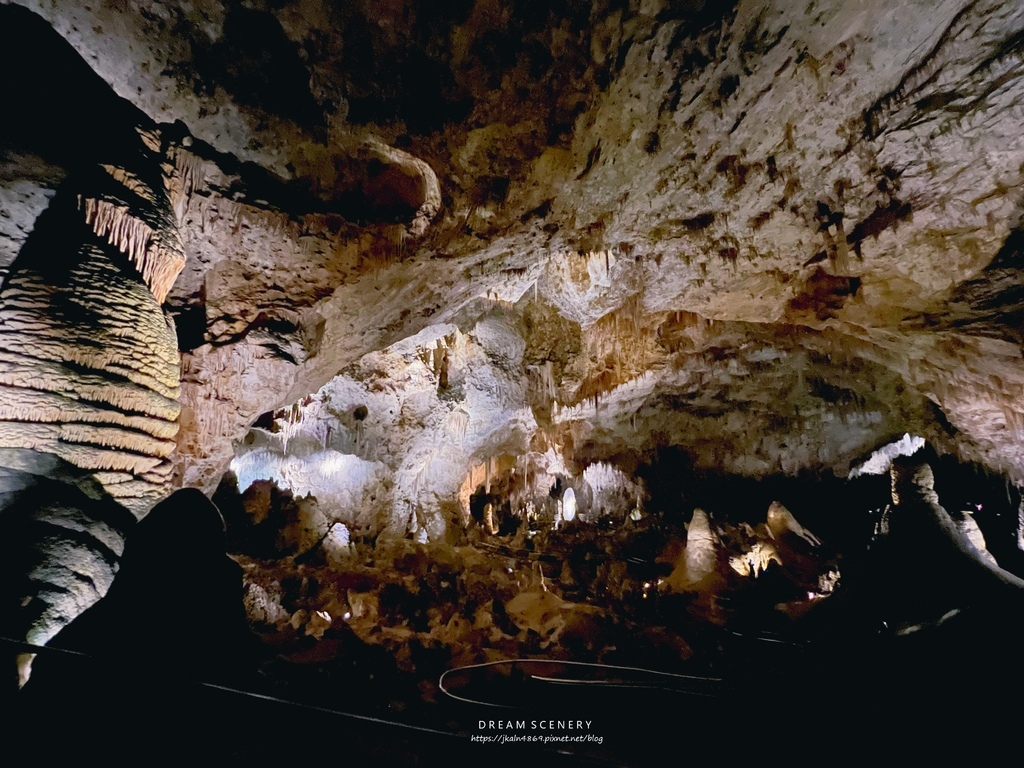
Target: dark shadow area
(58, 107)
(991, 304)
(256, 62)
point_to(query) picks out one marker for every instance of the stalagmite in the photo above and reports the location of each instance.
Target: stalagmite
(701, 557)
(781, 520)
(90, 377)
(492, 527)
(756, 561)
(918, 515)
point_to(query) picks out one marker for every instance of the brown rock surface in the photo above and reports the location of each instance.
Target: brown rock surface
(785, 234)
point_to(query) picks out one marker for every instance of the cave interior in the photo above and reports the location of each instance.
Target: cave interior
(627, 369)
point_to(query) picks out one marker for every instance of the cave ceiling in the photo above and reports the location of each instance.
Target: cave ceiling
(774, 235)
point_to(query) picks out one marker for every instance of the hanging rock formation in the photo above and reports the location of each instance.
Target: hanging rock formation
(745, 209)
(89, 372)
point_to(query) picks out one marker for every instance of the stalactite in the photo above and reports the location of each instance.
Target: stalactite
(618, 350)
(437, 357)
(442, 376)
(291, 425)
(542, 384)
(236, 219)
(387, 246)
(842, 250)
(150, 138)
(185, 177)
(1020, 524)
(458, 423)
(129, 181)
(158, 264)
(419, 483)
(1013, 420)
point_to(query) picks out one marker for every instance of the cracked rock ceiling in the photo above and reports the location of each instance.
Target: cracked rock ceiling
(776, 235)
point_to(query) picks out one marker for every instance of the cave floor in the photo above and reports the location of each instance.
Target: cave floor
(394, 655)
(621, 645)
(879, 696)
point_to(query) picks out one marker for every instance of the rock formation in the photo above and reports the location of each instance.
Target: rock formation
(89, 374)
(435, 269)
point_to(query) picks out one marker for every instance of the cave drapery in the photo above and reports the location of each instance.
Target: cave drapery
(578, 331)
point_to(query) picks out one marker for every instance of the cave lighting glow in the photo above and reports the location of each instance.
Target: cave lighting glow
(304, 475)
(569, 505)
(878, 462)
